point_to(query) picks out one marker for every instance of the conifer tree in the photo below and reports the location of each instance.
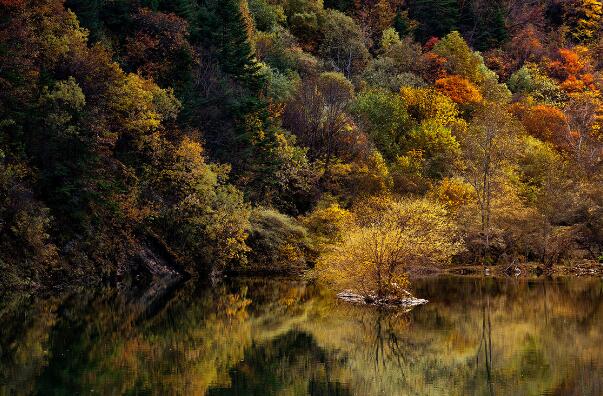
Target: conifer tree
(224, 23)
(467, 19)
(186, 9)
(189, 10)
(225, 32)
(403, 24)
(89, 15)
(436, 17)
(491, 29)
(341, 5)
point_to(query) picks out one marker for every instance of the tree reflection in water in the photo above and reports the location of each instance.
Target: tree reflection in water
(253, 336)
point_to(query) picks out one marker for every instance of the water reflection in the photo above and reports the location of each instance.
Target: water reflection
(258, 337)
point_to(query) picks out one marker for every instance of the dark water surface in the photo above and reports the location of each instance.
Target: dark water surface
(286, 337)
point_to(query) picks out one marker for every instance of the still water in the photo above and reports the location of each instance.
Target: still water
(286, 337)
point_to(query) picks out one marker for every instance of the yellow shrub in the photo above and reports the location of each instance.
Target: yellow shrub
(389, 237)
(453, 193)
(328, 222)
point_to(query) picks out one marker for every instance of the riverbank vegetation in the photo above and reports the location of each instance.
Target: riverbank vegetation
(203, 136)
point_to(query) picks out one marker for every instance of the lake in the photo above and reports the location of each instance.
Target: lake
(477, 336)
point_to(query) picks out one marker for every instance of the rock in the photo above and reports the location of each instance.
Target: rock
(390, 301)
(154, 263)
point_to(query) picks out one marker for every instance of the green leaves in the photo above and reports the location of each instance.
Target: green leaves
(383, 115)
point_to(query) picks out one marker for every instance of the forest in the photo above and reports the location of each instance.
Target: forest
(355, 139)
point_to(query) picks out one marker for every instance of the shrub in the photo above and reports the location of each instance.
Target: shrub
(327, 224)
(279, 243)
(389, 237)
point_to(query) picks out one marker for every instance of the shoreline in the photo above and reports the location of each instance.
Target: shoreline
(524, 270)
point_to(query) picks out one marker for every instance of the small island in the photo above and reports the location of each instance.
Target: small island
(385, 301)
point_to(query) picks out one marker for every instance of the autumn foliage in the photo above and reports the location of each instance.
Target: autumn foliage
(157, 137)
(572, 68)
(389, 237)
(544, 122)
(459, 89)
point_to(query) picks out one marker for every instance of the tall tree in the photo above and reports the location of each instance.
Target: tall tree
(491, 29)
(318, 116)
(246, 133)
(435, 17)
(225, 26)
(343, 44)
(487, 148)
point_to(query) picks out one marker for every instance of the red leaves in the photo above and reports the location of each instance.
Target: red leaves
(159, 43)
(12, 3)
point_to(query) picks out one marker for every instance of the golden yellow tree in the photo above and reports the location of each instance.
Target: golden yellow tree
(389, 237)
(584, 18)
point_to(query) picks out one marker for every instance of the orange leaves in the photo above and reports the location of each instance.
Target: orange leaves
(575, 130)
(544, 122)
(572, 68)
(459, 89)
(435, 66)
(573, 84)
(527, 44)
(571, 61)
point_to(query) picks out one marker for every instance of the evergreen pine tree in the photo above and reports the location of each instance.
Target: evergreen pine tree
(186, 9)
(341, 5)
(224, 27)
(436, 17)
(151, 4)
(89, 15)
(491, 30)
(224, 32)
(468, 21)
